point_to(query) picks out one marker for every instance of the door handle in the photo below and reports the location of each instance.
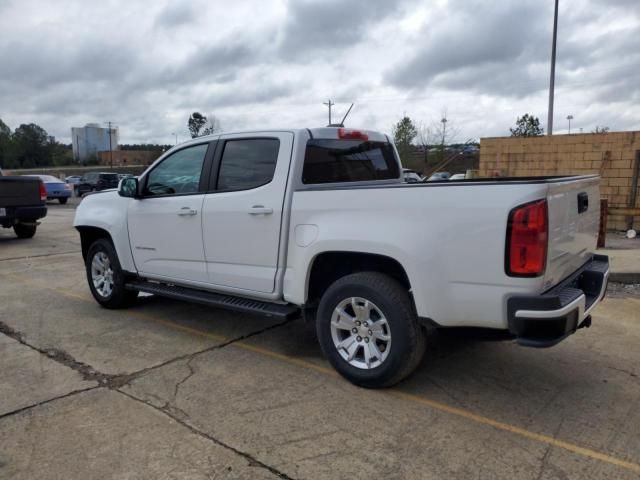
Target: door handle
(260, 210)
(187, 211)
(583, 202)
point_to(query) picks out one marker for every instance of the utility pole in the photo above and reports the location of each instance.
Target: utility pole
(110, 149)
(553, 70)
(329, 104)
(444, 130)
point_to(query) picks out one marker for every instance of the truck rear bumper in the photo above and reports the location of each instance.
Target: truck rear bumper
(13, 215)
(547, 319)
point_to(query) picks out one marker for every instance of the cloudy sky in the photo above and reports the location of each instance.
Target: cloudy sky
(259, 64)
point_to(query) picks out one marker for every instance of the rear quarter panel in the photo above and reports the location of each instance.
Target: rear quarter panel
(450, 239)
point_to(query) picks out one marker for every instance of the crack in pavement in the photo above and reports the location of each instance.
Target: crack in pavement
(27, 257)
(252, 460)
(116, 381)
(47, 401)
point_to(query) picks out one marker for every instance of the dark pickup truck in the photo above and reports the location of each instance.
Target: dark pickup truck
(22, 204)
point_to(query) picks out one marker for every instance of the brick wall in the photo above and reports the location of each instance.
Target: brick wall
(610, 155)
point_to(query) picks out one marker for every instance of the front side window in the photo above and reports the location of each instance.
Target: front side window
(178, 173)
(333, 161)
(248, 163)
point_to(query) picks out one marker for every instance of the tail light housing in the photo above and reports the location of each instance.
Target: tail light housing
(527, 238)
(43, 192)
(348, 134)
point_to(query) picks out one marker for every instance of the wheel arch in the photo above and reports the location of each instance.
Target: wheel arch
(88, 235)
(329, 266)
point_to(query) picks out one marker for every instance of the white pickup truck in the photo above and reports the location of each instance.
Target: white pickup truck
(318, 223)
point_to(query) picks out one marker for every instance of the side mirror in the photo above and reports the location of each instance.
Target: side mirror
(128, 187)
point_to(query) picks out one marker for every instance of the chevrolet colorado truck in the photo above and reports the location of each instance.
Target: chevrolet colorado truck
(319, 223)
(22, 204)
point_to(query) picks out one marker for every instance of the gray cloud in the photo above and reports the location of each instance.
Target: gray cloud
(175, 14)
(272, 64)
(476, 39)
(314, 27)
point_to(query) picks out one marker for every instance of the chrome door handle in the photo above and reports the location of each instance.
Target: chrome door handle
(187, 211)
(260, 210)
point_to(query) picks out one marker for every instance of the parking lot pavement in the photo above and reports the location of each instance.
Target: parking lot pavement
(172, 390)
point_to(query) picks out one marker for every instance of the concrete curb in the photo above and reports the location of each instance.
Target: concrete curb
(624, 277)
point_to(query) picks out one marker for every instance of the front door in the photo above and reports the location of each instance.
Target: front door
(165, 226)
(243, 215)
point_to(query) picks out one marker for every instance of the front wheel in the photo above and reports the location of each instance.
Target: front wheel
(24, 231)
(368, 330)
(105, 276)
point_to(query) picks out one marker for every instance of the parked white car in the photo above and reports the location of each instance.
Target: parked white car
(319, 223)
(457, 176)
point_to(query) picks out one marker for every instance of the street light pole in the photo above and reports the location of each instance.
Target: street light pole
(569, 117)
(176, 135)
(110, 149)
(553, 70)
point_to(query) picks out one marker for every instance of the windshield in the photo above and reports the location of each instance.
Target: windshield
(109, 176)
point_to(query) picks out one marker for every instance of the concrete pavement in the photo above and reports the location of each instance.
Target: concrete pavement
(172, 390)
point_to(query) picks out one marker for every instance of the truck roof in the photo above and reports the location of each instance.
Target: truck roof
(318, 133)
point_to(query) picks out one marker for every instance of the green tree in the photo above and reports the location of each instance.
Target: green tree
(527, 126)
(30, 142)
(5, 145)
(404, 132)
(600, 130)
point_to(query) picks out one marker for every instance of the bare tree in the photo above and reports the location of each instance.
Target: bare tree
(200, 124)
(212, 125)
(443, 133)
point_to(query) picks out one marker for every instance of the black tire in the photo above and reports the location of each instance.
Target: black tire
(24, 231)
(408, 342)
(119, 297)
(63, 200)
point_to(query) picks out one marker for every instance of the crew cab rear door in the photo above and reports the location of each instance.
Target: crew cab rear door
(574, 216)
(242, 213)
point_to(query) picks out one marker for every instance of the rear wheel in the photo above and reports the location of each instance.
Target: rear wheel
(105, 276)
(24, 231)
(368, 330)
(63, 200)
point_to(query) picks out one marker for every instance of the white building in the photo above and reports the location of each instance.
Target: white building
(87, 141)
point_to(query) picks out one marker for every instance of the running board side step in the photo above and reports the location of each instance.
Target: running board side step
(237, 304)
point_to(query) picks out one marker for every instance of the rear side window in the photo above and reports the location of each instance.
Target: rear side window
(109, 176)
(331, 161)
(248, 163)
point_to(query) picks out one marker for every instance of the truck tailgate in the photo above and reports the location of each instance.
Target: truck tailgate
(574, 216)
(19, 191)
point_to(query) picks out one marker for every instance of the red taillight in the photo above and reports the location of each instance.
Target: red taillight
(527, 233)
(43, 192)
(346, 134)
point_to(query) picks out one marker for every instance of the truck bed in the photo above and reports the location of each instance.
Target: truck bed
(450, 237)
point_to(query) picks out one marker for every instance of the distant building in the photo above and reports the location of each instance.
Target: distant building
(87, 141)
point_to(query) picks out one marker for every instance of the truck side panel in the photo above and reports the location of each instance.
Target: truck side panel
(450, 241)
